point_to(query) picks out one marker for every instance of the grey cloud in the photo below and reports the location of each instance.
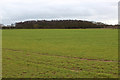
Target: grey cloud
(19, 10)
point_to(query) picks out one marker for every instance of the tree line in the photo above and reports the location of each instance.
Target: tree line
(57, 24)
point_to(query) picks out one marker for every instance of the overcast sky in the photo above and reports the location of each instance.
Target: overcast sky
(105, 11)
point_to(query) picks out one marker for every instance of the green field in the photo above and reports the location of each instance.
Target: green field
(60, 53)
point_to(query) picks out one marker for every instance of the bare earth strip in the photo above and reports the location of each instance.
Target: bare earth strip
(61, 56)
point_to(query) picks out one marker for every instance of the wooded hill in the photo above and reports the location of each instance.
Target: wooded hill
(57, 24)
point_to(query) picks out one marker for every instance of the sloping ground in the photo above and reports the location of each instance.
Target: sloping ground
(60, 53)
(26, 65)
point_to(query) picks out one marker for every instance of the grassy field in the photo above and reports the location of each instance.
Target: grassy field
(60, 53)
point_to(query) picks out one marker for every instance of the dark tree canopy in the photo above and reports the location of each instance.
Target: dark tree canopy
(58, 24)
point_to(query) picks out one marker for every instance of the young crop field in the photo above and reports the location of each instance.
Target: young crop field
(60, 53)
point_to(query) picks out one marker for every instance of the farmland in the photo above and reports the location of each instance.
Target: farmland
(60, 53)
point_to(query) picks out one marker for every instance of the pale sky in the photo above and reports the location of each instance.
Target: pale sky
(105, 11)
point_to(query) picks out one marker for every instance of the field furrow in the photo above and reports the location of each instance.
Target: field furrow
(60, 53)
